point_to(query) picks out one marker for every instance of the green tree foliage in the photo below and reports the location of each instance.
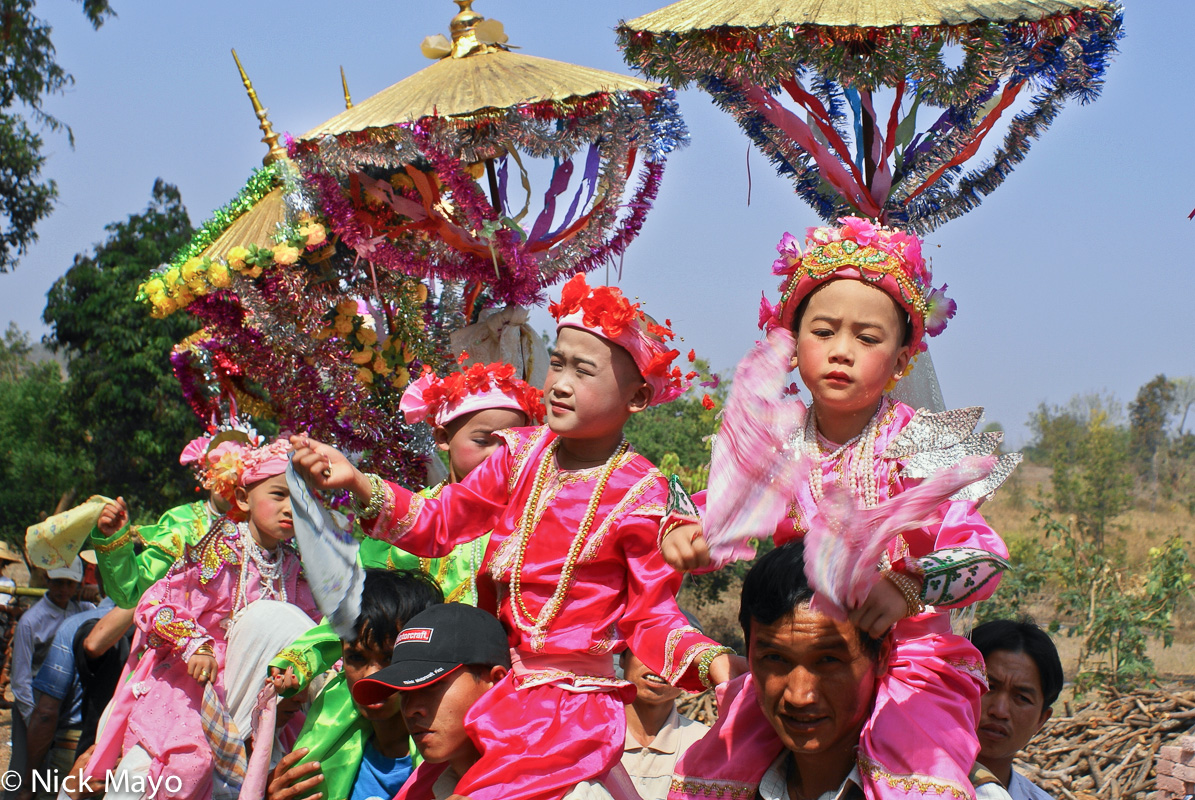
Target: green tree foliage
(1090, 459)
(121, 384)
(1116, 608)
(43, 457)
(1148, 416)
(28, 74)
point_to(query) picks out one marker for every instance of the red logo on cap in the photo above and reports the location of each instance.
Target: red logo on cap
(415, 635)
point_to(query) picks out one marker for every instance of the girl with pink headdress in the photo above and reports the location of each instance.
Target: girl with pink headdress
(855, 307)
(168, 727)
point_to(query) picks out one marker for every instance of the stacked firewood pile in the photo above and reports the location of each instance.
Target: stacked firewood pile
(1101, 746)
(700, 707)
(1105, 745)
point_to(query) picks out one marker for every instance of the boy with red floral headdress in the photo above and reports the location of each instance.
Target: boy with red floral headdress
(572, 569)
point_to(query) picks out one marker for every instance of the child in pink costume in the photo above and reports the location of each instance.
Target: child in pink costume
(859, 302)
(573, 569)
(182, 623)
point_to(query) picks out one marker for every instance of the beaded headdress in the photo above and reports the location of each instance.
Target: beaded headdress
(477, 387)
(888, 259)
(604, 311)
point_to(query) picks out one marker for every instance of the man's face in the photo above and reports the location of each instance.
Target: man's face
(435, 714)
(816, 681)
(650, 687)
(61, 591)
(1014, 708)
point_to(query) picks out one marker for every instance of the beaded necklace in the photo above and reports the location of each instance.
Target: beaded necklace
(861, 480)
(537, 626)
(273, 581)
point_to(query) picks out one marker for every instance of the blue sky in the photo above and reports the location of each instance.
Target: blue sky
(1074, 276)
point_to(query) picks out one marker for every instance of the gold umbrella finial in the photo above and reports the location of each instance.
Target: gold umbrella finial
(348, 99)
(271, 138)
(464, 22)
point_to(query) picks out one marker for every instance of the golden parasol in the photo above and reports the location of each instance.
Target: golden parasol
(397, 173)
(694, 15)
(832, 58)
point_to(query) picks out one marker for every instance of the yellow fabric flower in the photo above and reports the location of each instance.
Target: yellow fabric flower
(254, 272)
(323, 332)
(347, 307)
(362, 356)
(421, 292)
(344, 326)
(401, 378)
(236, 257)
(153, 286)
(368, 336)
(381, 367)
(286, 255)
(365, 376)
(171, 277)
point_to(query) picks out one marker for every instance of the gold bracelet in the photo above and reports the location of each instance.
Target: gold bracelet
(205, 650)
(706, 660)
(377, 498)
(909, 588)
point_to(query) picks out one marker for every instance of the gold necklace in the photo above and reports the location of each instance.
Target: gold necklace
(537, 625)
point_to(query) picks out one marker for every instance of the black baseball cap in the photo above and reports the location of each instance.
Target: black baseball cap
(436, 643)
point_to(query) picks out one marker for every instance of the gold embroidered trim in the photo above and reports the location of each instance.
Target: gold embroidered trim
(922, 784)
(623, 508)
(403, 525)
(295, 658)
(671, 643)
(130, 533)
(719, 790)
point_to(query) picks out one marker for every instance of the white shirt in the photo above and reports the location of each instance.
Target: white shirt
(1021, 788)
(651, 766)
(774, 785)
(31, 643)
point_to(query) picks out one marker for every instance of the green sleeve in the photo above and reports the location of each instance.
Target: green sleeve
(126, 573)
(117, 562)
(311, 654)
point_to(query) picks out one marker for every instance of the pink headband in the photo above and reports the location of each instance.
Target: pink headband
(476, 388)
(265, 462)
(605, 312)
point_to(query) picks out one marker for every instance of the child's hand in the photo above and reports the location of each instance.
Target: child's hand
(202, 668)
(684, 548)
(283, 681)
(325, 467)
(113, 517)
(884, 607)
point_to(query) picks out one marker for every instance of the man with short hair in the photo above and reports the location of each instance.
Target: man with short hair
(444, 661)
(1024, 679)
(814, 678)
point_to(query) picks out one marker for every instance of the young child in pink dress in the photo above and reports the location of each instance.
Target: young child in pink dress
(573, 568)
(182, 625)
(859, 302)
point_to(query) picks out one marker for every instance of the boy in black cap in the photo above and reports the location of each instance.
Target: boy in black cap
(444, 660)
